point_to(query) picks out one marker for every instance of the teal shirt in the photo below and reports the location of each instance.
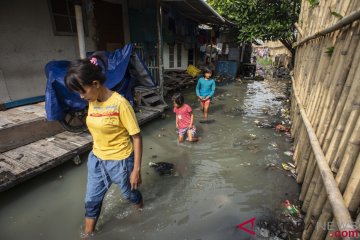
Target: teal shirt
(205, 87)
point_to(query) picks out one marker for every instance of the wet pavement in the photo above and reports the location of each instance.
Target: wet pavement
(231, 176)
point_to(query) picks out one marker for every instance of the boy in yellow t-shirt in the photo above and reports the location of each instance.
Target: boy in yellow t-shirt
(117, 148)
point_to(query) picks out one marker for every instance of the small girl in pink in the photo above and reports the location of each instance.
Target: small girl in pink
(184, 119)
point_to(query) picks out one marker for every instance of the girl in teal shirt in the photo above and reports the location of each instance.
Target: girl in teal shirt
(205, 90)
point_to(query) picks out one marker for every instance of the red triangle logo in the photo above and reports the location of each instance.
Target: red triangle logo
(242, 226)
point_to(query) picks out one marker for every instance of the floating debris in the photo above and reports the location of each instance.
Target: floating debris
(288, 153)
(163, 168)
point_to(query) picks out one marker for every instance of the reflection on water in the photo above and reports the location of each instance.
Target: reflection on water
(220, 182)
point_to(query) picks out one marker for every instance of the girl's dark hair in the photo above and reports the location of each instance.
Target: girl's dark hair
(207, 70)
(84, 71)
(178, 98)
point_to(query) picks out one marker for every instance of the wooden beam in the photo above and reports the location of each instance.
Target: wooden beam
(352, 17)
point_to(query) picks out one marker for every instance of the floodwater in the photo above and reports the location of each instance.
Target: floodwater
(221, 181)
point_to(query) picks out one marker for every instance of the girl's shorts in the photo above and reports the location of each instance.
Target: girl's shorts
(183, 131)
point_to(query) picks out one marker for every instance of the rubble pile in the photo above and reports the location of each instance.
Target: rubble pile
(175, 80)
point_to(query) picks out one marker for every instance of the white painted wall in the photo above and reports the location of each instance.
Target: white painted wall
(184, 57)
(27, 43)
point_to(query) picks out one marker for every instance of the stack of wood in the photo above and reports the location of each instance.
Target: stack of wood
(175, 80)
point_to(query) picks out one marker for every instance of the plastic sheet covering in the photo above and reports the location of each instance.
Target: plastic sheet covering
(125, 70)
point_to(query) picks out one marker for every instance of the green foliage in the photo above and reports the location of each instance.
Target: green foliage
(263, 61)
(335, 14)
(314, 3)
(330, 50)
(262, 19)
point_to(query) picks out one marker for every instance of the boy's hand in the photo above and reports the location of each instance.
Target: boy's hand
(207, 98)
(201, 98)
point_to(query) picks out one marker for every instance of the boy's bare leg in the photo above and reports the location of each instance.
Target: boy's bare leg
(191, 138)
(89, 225)
(181, 138)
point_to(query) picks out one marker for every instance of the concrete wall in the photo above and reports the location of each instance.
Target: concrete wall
(27, 43)
(184, 57)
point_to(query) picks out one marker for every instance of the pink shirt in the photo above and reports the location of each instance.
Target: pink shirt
(183, 115)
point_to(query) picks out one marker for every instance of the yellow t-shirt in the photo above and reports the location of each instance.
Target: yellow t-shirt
(111, 123)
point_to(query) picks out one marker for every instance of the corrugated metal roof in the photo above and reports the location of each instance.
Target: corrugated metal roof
(198, 11)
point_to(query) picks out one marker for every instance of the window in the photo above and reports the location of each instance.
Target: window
(171, 57)
(63, 17)
(191, 56)
(179, 55)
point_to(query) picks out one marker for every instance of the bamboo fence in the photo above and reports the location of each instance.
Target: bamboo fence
(325, 114)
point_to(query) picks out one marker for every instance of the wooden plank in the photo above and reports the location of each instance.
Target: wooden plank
(151, 100)
(12, 165)
(38, 157)
(19, 135)
(36, 109)
(14, 116)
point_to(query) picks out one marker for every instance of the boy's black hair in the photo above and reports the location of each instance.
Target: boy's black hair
(178, 98)
(84, 71)
(207, 70)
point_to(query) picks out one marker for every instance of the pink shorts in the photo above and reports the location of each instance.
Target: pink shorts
(205, 103)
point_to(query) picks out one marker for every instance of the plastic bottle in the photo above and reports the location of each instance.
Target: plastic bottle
(292, 210)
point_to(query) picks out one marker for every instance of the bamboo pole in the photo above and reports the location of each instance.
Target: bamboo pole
(344, 108)
(330, 106)
(342, 176)
(335, 198)
(354, 16)
(352, 191)
(319, 115)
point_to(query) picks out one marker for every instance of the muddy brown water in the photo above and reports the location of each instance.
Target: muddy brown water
(221, 181)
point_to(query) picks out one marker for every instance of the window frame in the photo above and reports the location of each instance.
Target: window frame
(69, 17)
(179, 55)
(171, 56)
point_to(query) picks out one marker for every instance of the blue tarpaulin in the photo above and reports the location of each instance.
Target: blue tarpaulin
(125, 71)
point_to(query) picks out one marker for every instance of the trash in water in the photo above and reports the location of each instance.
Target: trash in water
(288, 153)
(290, 164)
(292, 209)
(281, 128)
(163, 168)
(287, 167)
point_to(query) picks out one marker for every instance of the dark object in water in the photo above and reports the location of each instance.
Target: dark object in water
(163, 168)
(207, 121)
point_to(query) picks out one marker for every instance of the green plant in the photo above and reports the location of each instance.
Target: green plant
(330, 51)
(335, 14)
(314, 3)
(261, 19)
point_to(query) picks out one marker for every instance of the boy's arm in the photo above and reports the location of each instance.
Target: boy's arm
(176, 121)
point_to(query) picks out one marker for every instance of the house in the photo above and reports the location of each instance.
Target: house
(38, 31)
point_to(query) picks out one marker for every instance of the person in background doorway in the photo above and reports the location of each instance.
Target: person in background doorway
(184, 119)
(205, 90)
(117, 143)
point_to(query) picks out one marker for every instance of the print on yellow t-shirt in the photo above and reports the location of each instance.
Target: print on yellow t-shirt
(111, 123)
